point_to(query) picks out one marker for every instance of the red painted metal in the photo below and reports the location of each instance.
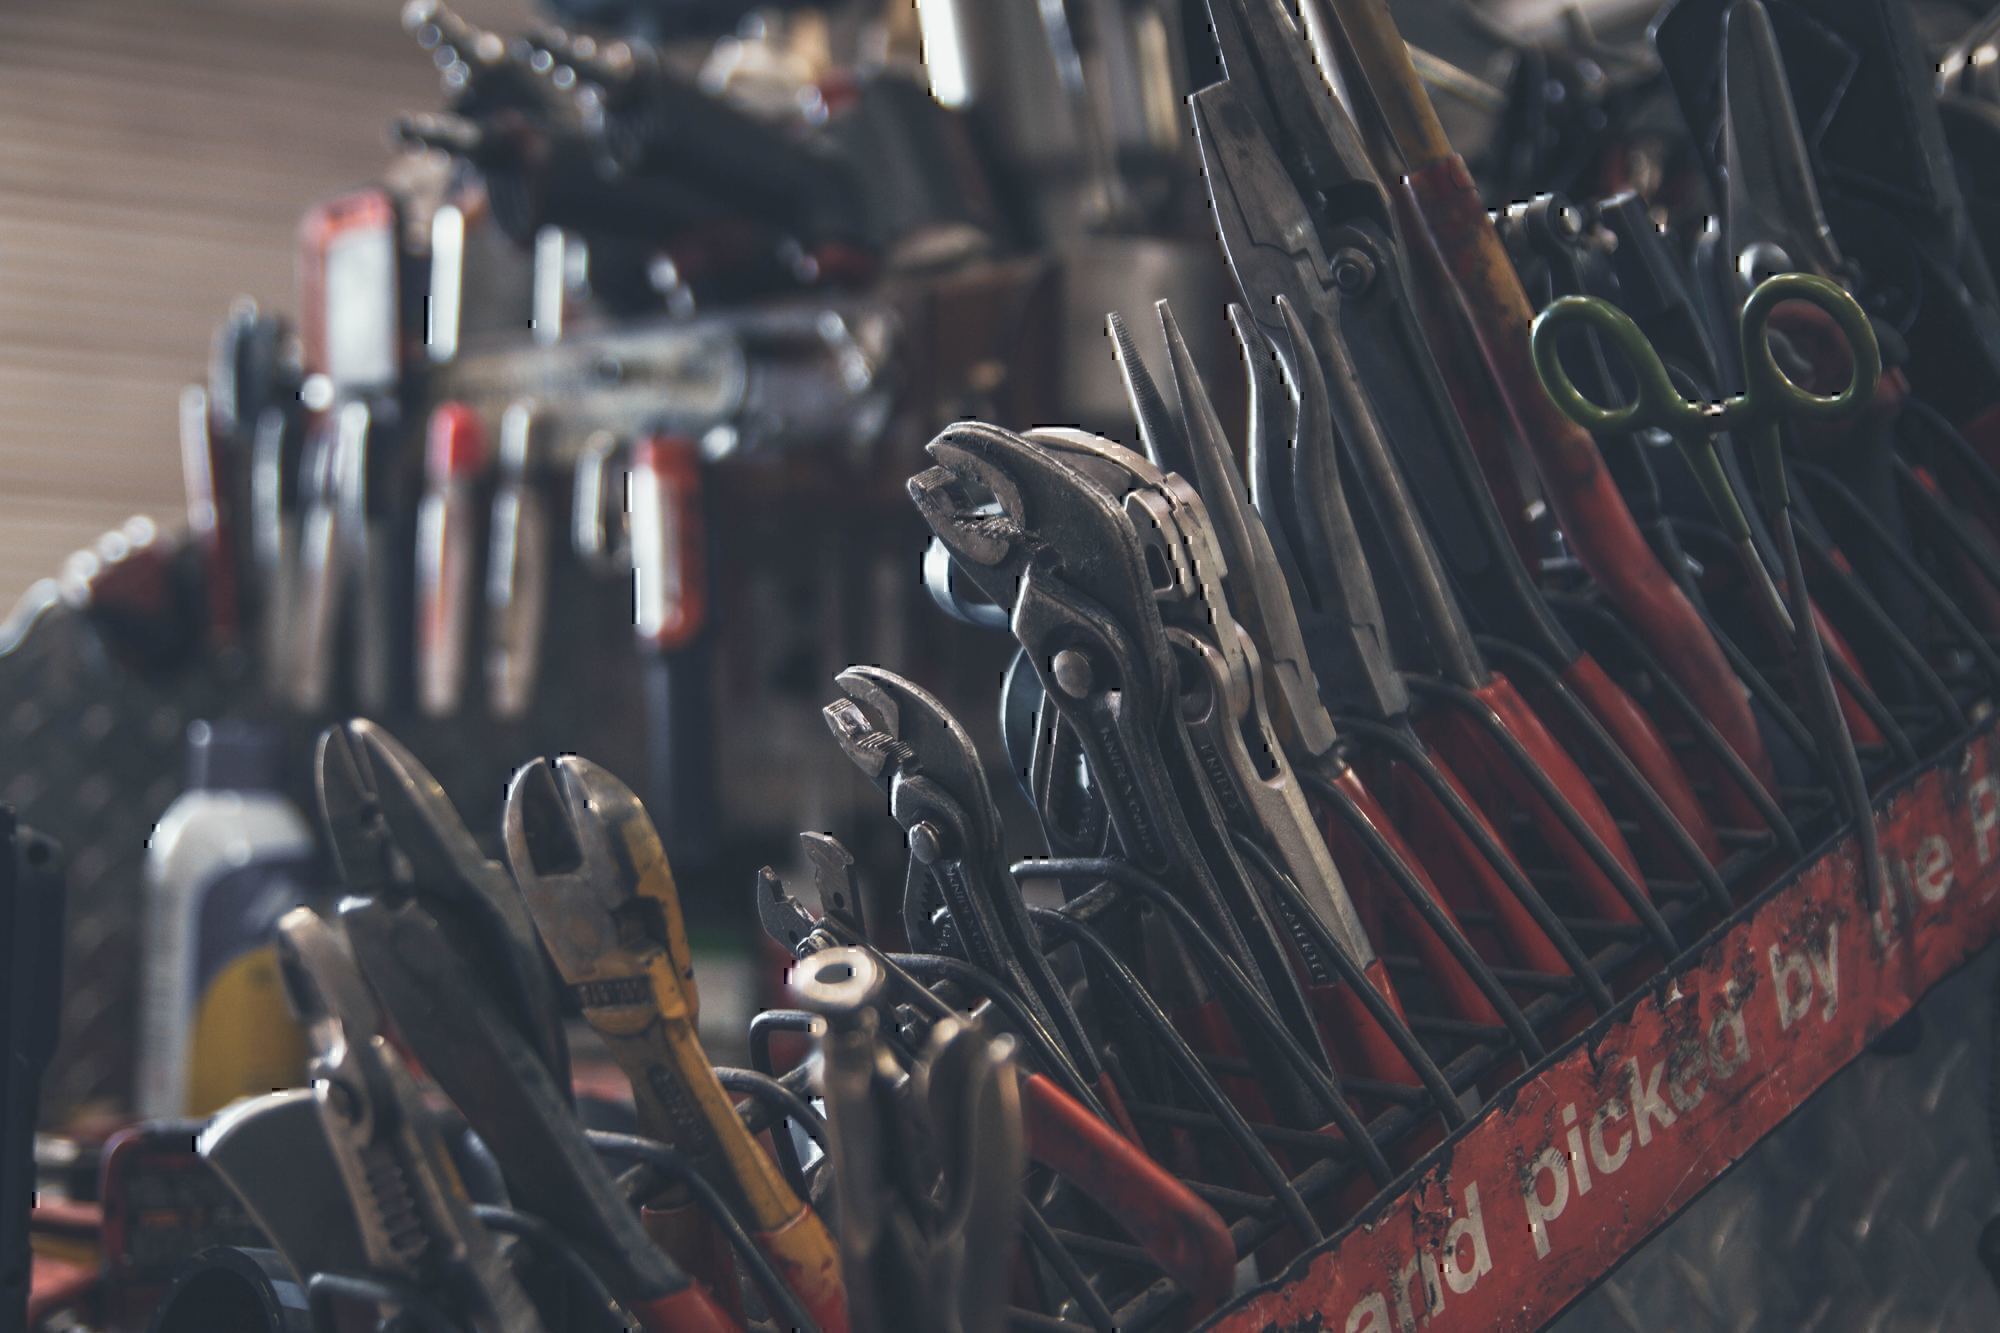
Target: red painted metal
(1587, 1154)
(1376, 895)
(1499, 781)
(1600, 528)
(1642, 743)
(1179, 1232)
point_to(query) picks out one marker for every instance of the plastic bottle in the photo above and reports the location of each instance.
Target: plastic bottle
(229, 857)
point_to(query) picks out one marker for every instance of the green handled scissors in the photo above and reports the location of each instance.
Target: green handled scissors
(1754, 416)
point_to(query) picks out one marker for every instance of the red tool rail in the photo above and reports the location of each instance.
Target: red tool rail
(1595, 1148)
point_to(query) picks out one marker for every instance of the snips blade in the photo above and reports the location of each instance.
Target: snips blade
(396, 833)
(1342, 616)
(1772, 214)
(1276, 78)
(1268, 234)
(1256, 581)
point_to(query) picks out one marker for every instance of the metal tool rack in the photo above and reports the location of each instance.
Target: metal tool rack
(1541, 1153)
(1585, 1156)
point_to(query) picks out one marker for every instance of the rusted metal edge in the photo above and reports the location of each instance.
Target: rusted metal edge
(1590, 1152)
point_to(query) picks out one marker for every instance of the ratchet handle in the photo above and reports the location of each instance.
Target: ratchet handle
(1600, 528)
(1179, 1232)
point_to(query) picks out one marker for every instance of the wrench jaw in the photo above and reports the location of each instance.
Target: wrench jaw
(785, 919)
(869, 724)
(927, 740)
(550, 864)
(843, 899)
(591, 866)
(1055, 522)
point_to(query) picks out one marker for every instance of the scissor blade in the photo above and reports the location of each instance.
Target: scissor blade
(1772, 213)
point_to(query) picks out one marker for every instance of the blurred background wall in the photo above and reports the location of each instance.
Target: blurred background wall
(155, 156)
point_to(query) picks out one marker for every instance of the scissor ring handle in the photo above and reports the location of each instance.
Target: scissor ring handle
(1657, 404)
(1769, 388)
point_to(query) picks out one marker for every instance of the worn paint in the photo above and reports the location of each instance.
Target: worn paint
(1592, 1151)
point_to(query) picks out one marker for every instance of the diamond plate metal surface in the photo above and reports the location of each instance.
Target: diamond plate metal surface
(1860, 1214)
(91, 754)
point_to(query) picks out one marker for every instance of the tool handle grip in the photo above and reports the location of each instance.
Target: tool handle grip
(1521, 721)
(690, 1310)
(1460, 992)
(1392, 76)
(681, 1102)
(1176, 1229)
(808, 1260)
(1635, 734)
(1658, 404)
(1838, 319)
(1594, 517)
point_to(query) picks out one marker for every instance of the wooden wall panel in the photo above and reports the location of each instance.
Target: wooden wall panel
(154, 158)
